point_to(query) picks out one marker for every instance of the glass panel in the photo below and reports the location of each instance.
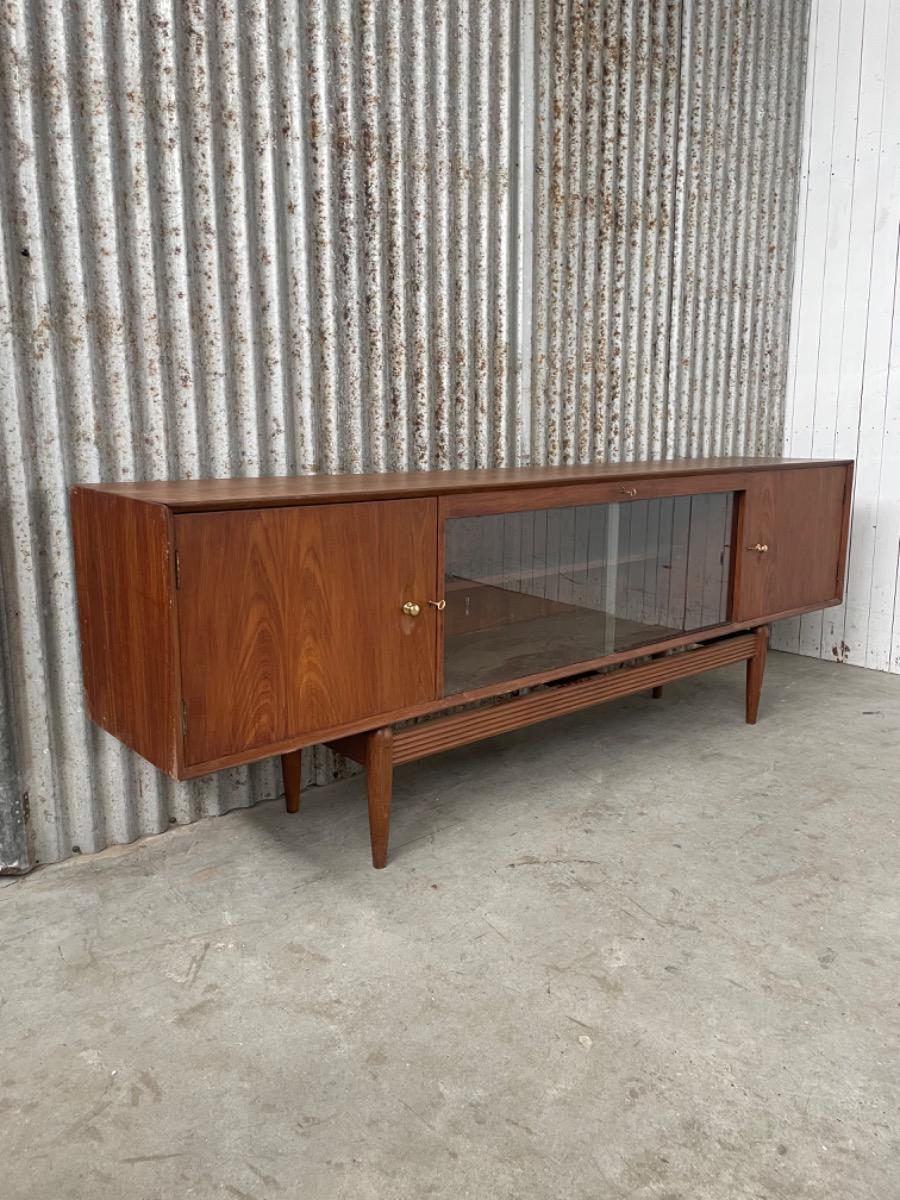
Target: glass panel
(530, 591)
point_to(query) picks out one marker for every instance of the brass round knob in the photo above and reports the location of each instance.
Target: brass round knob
(759, 548)
(411, 609)
(629, 491)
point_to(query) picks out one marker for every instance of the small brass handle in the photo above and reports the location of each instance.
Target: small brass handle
(440, 605)
(411, 609)
(627, 491)
(760, 549)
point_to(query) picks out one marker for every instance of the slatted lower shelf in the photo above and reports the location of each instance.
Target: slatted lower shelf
(445, 733)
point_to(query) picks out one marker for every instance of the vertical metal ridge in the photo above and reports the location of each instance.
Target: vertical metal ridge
(503, 404)
(442, 388)
(230, 164)
(572, 206)
(370, 151)
(214, 410)
(540, 288)
(793, 84)
(521, 259)
(747, 184)
(319, 151)
(14, 803)
(171, 234)
(727, 78)
(680, 235)
(689, 282)
(419, 195)
(666, 303)
(739, 133)
(591, 99)
(344, 232)
(755, 200)
(621, 219)
(646, 420)
(710, 150)
(395, 237)
(605, 367)
(459, 225)
(480, 82)
(263, 241)
(557, 201)
(635, 227)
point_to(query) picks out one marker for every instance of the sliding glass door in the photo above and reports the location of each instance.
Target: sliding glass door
(531, 591)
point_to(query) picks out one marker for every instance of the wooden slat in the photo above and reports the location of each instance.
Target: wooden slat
(433, 737)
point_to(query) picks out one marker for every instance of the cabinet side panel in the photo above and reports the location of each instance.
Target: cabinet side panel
(123, 569)
(845, 530)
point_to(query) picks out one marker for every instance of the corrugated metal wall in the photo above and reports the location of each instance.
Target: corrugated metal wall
(844, 378)
(665, 201)
(251, 239)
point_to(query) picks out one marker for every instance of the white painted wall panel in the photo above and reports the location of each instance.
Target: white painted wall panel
(843, 397)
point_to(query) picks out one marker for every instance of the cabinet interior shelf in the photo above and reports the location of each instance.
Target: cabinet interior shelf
(522, 648)
(494, 633)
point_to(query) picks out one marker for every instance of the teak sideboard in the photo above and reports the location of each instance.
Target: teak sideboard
(224, 621)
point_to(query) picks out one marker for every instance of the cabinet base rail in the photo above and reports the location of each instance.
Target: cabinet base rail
(446, 733)
(380, 750)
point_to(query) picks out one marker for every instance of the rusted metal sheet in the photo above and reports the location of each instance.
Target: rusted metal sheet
(266, 238)
(13, 801)
(666, 143)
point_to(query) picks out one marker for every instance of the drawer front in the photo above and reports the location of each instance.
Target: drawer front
(291, 620)
(472, 504)
(792, 541)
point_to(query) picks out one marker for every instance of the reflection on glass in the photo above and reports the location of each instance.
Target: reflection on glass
(530, 591)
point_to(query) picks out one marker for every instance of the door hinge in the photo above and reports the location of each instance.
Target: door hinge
(177, 570)
(184, 718)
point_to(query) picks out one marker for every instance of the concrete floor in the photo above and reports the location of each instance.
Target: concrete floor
(644, 951)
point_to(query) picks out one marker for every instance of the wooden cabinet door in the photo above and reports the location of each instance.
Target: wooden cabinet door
(291, 620)
(801, 517)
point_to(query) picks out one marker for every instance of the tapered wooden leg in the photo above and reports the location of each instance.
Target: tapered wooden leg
(379, 778)
(755, 669)
(290, 774)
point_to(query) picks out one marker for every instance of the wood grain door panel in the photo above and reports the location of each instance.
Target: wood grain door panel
(801, 517)
(291, 620)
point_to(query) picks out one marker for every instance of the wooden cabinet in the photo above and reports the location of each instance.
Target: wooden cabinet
(224, 621)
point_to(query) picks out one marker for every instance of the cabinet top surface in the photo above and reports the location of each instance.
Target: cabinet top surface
(199, 495)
